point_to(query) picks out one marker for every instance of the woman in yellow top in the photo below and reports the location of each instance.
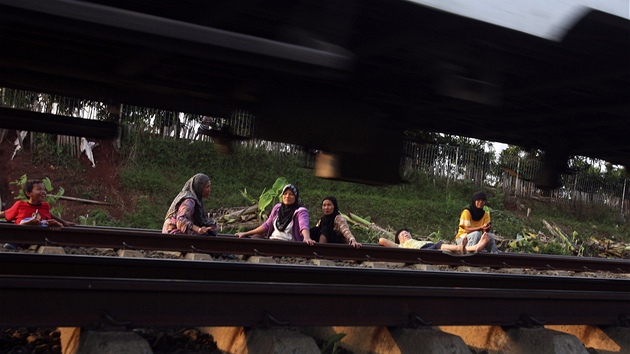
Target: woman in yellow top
(475, 225)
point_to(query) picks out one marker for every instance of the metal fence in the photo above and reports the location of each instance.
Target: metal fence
(514, 176)
(453, 163)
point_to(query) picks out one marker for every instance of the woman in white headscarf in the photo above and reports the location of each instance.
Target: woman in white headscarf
(187, 214)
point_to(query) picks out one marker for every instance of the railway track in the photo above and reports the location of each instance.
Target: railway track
(76, 266)
(93, 291)
(118, 238)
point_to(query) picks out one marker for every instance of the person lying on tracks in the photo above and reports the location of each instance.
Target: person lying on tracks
(403, 239)
(187, 214)
(35, 211)
(475, 225)
(332, 227)
(288, 220)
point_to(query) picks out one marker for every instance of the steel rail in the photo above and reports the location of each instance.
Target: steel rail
(107, 302)
(82, 236)
(25, 264)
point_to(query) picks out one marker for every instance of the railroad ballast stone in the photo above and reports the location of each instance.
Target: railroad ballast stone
(261, 259)
(262, 340)
(499, 340)
(383, 265)
(75, 340)
(198, 256)
(50, 250)
(114, 342)
(602, 339)
(323, 262)
(447, 339)
(130, 253)
(375, 339)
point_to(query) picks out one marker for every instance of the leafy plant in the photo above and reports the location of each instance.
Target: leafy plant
(50, 198)
(267, 196)
(525, 242)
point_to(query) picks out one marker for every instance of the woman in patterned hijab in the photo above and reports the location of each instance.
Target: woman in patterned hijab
(187, 213)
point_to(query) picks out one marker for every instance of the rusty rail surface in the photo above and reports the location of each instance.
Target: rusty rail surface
(83, 236)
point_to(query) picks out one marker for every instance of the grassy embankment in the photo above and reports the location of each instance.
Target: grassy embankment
(157, 170)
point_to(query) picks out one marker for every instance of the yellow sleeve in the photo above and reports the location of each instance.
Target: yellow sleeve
(464, 221)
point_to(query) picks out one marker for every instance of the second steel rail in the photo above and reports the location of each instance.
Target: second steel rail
(82, 236)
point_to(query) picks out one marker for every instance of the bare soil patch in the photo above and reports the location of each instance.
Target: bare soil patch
(100, 183)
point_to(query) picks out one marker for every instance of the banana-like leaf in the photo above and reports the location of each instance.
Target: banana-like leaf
(265, 200)
(279, 184)
(247, 196)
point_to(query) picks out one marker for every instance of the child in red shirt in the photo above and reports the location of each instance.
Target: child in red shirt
(36, 211)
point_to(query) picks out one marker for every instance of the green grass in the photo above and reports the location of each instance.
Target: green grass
(158, 169)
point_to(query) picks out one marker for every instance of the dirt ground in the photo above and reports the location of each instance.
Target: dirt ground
(100, 183)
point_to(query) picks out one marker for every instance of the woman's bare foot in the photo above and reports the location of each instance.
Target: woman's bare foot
(483, 241)
(462, 246)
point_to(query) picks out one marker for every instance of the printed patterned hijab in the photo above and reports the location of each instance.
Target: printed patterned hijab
(193, 189)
